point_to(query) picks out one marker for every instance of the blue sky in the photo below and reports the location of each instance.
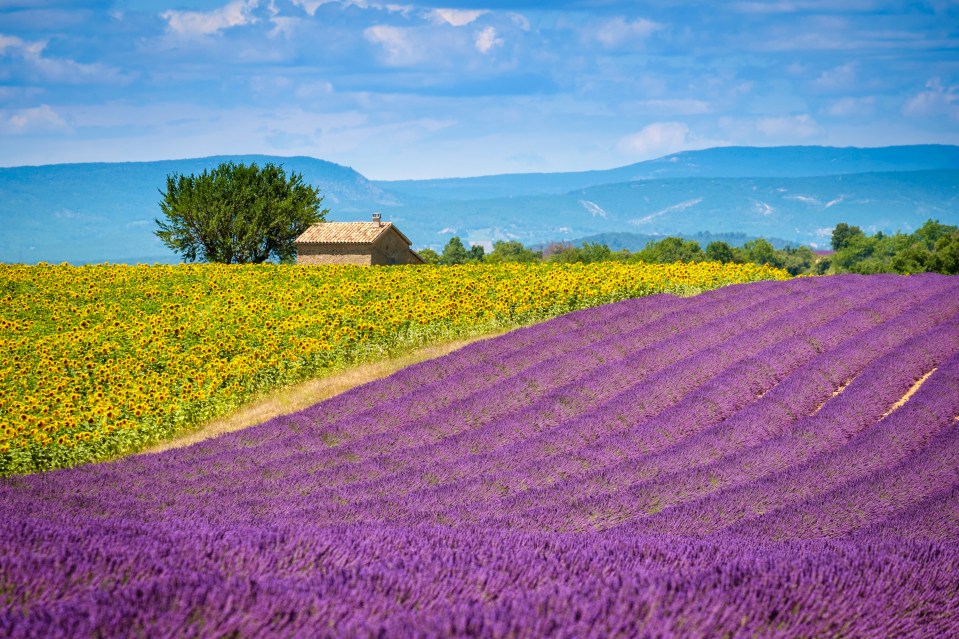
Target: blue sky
(415, 90)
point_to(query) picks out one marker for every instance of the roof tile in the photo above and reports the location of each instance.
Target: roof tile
(343, 233)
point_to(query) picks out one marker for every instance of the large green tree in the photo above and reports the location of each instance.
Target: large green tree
(719, 251)
(512, 251)
(237, 214)
(671, 249)
(844, 235)
(454, 252)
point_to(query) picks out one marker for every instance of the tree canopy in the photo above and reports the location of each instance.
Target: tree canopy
(512, 251)
(237, 214)
(454, 252)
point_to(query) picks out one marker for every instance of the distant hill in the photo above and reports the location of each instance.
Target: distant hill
(104, 211)
(797, 210)
(719, 162)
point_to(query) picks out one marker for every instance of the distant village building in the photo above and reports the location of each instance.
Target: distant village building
(364, 243)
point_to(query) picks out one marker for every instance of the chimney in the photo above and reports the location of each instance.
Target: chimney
(378, 218)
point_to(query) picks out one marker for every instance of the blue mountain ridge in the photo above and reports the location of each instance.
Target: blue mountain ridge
(99, 212)
(718, 162)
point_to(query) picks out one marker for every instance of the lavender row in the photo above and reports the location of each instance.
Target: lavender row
(186, 580)
(774, 411)
(569, 367)
(573, 330)
(934, 518)
(925, 459)
(729, 482)
(566, 398)
(392, 490)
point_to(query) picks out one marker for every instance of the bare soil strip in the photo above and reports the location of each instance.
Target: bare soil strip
(293, 398)
(841, 388)
(909, 393)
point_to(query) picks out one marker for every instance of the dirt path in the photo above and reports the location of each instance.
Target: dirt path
(294, 398)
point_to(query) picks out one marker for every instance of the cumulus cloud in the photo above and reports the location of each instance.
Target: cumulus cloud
(520, 20)
(31, 57)
(487, 39)
(841, 77)
(310, 6)
(38, 119)
(197, 23)
(314, 89)
(846, 107)
(935, 100)
(618, 31)
(396, 42)
(793, 126)
(10, 43)
(456, 17)
(656, 138)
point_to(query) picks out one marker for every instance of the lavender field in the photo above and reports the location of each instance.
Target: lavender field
(736, 464)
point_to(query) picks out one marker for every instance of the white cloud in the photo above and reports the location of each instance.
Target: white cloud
(835, 201)
(802, 126)
(841, 77)
(404, 9)
(935, 100)
(617, 31)
(455, 17)
(847, 107)
(487, 39)
(61, 70)
(10, 42)
(284, 26)
(656, 138)
(520, 20)
(805, 199)
(314, 89)
(38, 119)
(399, 46)
(196, 23)
(310, 6)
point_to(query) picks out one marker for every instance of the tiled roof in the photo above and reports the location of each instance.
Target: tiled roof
(345, 233)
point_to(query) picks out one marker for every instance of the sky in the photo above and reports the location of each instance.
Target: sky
(419, 90)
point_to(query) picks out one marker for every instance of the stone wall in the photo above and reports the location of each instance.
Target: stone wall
(359, 254)
(392, 249)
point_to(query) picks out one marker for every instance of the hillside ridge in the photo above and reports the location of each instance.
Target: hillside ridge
(98, 212)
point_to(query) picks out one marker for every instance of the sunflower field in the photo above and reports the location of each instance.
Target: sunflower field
(101, 361)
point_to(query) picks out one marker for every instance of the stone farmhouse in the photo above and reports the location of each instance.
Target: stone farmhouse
(365, 243)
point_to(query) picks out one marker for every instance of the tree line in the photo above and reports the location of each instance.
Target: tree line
(236, 213)
(934, 247)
